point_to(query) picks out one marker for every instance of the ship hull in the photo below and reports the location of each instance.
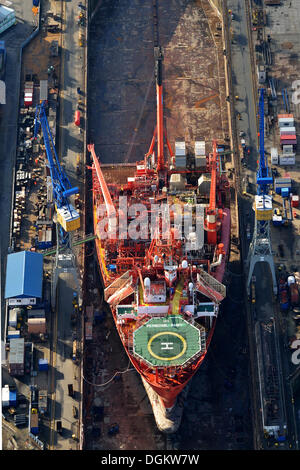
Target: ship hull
(167, 409)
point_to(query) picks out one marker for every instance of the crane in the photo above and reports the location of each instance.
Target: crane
(67, 216)
(260, 249)
(211, 213)
(263, 201)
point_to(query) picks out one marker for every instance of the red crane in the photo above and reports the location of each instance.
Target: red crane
(211, 212)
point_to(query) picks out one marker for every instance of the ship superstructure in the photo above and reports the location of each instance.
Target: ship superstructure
(163, 237)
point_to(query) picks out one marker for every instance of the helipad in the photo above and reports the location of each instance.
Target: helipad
(168, 341)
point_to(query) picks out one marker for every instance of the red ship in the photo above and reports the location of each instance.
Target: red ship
(163, 238)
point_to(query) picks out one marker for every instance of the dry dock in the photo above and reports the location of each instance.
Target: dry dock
(121, 116)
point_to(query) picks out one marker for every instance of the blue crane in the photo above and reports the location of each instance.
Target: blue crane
(260, 247)
(264, 177)
(67, 216)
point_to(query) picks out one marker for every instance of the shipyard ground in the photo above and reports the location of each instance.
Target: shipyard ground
(36, 60)
(121, 115)
(285, 42)
(14, 38)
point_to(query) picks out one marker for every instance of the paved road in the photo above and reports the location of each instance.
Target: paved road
(70, 146)
(65, 370)
(14, 38)
(246, 106)
(71, 78)
(266, 305)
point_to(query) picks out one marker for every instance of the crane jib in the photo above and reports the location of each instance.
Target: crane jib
(71, 191)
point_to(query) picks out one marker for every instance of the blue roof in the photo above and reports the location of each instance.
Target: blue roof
(24, 275)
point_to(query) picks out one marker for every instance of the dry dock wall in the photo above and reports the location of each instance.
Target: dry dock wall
(217, 5)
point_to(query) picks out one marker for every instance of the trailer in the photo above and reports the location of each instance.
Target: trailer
(42, 404)
(287, 210)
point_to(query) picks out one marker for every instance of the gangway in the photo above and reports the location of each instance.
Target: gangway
(75, 242)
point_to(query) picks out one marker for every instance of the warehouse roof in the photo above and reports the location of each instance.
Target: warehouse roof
(5, 11)
(16, 351)
(24, 275)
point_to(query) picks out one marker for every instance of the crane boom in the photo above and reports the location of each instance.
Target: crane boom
(264, 179)
(110, 208)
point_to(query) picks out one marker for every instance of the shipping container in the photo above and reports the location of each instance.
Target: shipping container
(43, 364)
(282, 183)
(16, 356)
(287, 149)
(200, 162)
(295, 200)
(288, 130)
(287, 137)
(36, 326)
(5, 396)
(11, 334)
(286, 122)
(28, 94)
(180, 149)
(36, 313)
(199, 148)
(287, 160)
(284, 116)
(180, 162)
(12, 397)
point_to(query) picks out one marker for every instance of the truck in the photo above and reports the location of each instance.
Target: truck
(59, 427)
(34, 421)
(43, 401)
(70, 390)
(75, 412)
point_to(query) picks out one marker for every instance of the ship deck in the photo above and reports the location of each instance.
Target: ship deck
(117, 174)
